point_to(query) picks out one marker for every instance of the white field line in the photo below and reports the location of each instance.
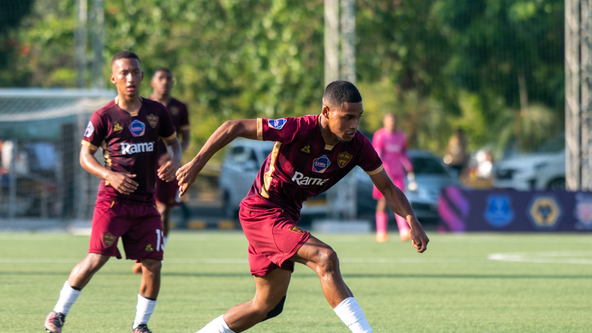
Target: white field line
(555, 257)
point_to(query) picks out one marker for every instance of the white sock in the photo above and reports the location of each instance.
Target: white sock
(144, 309)
(217, 325)
(68, 297)
(164, 241)
(350, 312)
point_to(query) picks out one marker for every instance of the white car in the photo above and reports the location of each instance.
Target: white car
(543, 170)
(239, 170)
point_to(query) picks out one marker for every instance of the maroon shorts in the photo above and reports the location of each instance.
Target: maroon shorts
(167, 193)
(139, 226)
(399, 182)
(273, 238)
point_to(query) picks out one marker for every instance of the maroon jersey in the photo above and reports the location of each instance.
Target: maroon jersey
(301, 165)
(129, 146)
(180, 117)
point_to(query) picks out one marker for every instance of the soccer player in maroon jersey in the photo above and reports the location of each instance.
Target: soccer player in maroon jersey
(127, 129)
(167, 192)
(310, 155)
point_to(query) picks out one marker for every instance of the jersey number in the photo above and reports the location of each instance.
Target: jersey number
(159, 236)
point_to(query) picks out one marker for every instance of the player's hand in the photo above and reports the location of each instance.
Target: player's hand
(186, 176)
(122, 182)
(167, 171)
(419, 239)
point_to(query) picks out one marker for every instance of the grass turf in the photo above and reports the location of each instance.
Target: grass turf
(453, 287)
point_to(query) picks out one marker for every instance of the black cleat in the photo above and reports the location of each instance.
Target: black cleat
(142, 328)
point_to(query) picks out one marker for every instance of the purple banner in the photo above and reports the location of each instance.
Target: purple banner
(508, 210)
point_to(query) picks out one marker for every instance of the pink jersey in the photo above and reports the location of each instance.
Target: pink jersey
(129, 146)
(301, 165)
(392, 149)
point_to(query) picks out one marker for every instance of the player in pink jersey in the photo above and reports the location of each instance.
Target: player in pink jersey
(167, 193)
(310, 155)
(127, 129)
(391, 146)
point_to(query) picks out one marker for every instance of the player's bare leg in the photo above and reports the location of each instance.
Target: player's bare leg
(268, 302)
(381, 221)
(78, 279)
(149, 288)
(321, 258)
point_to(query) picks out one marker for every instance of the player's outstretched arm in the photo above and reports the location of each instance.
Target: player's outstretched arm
(167, 171)
(398, 202)
(230, 130)
(122, 183)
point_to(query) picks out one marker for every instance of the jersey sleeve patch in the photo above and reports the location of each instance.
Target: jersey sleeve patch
(89, 130)
(276, 123)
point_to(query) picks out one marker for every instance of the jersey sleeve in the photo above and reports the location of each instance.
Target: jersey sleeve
(167, 130)
(183, 118)
(282, 130)
(96, 131)
(369, 160)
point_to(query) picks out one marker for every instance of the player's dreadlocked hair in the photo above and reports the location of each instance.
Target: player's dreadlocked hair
(124, 55)
(339, 92)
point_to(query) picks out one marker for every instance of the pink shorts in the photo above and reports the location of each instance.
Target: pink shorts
(399, 182)
(139, 226)
(167, 192)
(273, 238)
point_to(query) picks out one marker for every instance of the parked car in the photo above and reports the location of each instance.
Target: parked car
(239, 170)
(431, 176)
(541, 170)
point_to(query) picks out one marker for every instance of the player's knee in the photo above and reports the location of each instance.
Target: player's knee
(277, 310)
(327, 260)
(152, 266)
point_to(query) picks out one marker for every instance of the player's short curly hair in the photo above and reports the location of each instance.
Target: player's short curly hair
(124, 55)
(162, 69)
(339, 92)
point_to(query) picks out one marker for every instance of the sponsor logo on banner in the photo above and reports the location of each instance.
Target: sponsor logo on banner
(343, 158)
(498, 212)
(306, 149)
(583, 212)
(89, 130)
(544, 212)
(133, 148)
(137, 128)
(152, 120)
(299, 179)
(117, 127)
(320, 164)
(108, 239)
(277, 123)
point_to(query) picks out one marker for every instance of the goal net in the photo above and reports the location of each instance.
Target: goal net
(41, 181)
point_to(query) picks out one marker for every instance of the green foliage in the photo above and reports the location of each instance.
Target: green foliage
(437, 64)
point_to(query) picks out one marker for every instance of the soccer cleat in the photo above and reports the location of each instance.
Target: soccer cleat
(142, 328)
(137, 269)
(54, 322)
(405, 235)
(382, 237)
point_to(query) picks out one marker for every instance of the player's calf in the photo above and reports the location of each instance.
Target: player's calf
(277, 310)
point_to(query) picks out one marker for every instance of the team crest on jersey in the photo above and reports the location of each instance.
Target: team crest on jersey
(296, 229)
(343, 158)
(89, 130)
(108, 239)
(174, 110)
(117, 127)
(277, 123)
(137, 128)
(320, 164)
(152, 120)
(149, 248)
(306, 149)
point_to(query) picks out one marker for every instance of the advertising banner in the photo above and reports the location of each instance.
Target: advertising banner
(514, 211)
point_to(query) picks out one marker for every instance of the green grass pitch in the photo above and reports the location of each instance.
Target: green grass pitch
(463, 283)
